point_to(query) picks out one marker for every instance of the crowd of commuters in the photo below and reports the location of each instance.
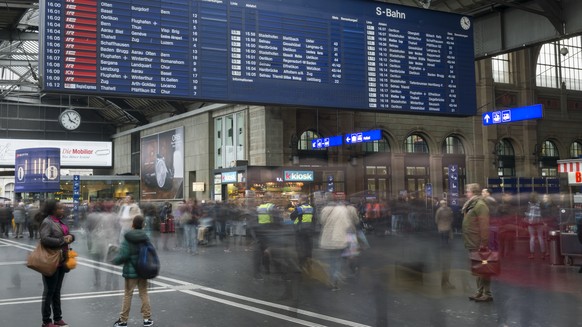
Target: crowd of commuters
(281, 234)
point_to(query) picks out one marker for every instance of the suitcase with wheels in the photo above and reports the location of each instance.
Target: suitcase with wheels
(170, 225)
(163, 228)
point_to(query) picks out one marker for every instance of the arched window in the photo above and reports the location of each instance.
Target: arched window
(549, 149)
(504, 148)
(415, 144)
(505, 158)
(377, 168)
(417, 164)
(576, 149)
(548, 160)
(305, 140)
(453, 145)
(377, 146)
(560, 62)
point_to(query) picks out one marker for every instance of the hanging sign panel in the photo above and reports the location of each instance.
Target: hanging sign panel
(512, 115)
(37, 170)
(349, 54)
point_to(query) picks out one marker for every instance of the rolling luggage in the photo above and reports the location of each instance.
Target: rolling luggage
(170, 225)
(163, 228)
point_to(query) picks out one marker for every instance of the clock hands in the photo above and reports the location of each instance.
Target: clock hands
(70, 119)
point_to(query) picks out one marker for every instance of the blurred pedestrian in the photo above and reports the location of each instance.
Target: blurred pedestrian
(32, 225)
(266, 216)
(190, 223)
(444, 221)
(303, 221)
(5, 219)
(54, 234)
(535, 226)
(19, 215)
(336, 222)
(490, 201)
(476, 235)
(149, 215)
(129, 209)
(102, 237)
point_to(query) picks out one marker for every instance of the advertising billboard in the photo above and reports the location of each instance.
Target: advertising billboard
(73, 153)
(37, 170)
(162, 165)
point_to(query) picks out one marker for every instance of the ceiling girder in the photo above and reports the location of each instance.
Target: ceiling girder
(120, 103)
(180, 109)
(551, 9)
(18, 36)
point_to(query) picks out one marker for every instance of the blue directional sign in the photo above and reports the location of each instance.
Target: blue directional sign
(428, 190)
(369, 136)
(512, 115)
(76, 195)
(453, 185)
(326, 142)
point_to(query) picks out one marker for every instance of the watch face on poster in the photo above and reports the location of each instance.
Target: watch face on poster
(70, 119)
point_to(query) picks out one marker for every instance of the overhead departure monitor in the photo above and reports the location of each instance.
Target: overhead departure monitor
(350, 54)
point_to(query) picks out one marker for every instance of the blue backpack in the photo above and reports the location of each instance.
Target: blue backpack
(148, 263)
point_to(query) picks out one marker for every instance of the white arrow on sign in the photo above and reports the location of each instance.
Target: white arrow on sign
(487, 117)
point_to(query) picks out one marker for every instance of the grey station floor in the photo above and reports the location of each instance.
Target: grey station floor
(398, 285)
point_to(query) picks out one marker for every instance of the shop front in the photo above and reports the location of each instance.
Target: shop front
(247, 185)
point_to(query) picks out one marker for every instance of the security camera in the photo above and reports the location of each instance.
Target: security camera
(564, 51)
(424, 3)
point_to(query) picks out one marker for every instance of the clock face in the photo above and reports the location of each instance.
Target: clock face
(465, 23)
(70, 119)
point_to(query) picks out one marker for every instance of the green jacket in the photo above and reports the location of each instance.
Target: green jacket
(475, 224)
(129, 251)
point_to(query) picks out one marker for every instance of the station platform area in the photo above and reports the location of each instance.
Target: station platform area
(398, 284)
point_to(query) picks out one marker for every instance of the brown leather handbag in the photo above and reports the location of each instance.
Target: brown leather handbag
(485, 263)
(44, 260)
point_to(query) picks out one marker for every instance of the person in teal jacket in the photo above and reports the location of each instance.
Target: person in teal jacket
(128, 256)
(476, 235)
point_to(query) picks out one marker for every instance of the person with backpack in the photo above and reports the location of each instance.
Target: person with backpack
(130, 253)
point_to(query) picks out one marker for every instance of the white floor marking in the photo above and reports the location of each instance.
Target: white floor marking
(164, 287)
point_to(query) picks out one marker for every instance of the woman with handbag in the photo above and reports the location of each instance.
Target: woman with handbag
(54, 234)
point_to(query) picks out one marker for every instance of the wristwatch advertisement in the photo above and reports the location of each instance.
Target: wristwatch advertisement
(162, 165)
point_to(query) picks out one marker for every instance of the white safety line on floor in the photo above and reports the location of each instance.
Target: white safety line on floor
(187, 288)
(9, 263)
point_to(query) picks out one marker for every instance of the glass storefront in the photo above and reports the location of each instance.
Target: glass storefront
(91, 188)
(247, 185)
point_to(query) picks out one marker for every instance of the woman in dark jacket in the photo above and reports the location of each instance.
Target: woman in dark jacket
(54, 234)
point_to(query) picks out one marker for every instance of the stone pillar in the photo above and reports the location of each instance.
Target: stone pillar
(266, 146)
(398, 172)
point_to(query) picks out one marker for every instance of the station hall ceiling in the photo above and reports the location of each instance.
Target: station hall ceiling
(19, 57)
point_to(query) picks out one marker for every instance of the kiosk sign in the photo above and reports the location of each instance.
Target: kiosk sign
(298, 176)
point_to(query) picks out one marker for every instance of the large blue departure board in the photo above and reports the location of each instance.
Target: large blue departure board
(352, 54)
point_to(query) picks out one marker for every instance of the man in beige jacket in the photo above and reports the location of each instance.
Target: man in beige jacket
(337, 220)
